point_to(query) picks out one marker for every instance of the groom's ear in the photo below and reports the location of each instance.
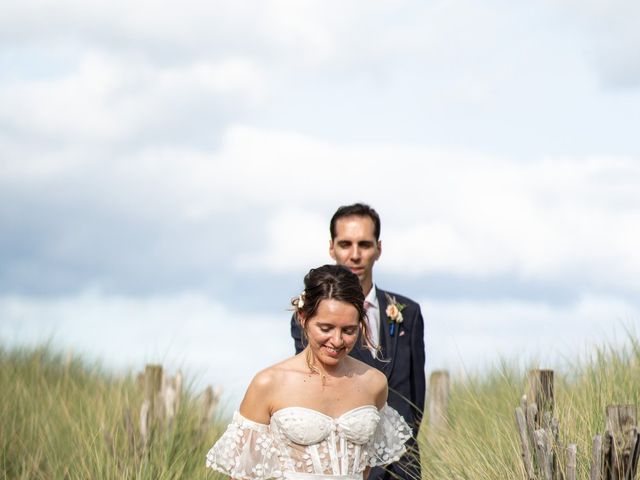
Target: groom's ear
(332, 253)
(379, 249)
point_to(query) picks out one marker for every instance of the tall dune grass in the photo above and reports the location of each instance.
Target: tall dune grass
(62, 418)
(482, 442)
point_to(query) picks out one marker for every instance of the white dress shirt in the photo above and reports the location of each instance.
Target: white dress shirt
(373, 318)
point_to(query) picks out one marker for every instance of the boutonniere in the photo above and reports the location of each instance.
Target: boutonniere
(394, 313)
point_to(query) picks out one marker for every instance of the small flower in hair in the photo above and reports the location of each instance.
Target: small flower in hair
(300, 301)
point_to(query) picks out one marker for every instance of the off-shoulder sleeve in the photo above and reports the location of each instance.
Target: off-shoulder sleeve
(387, 444)
(245, 451)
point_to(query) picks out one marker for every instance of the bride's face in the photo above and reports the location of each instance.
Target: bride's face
(332, 331)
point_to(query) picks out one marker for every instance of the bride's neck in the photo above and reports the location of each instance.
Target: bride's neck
(317, 366)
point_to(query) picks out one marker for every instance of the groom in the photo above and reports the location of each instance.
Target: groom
(395, 322)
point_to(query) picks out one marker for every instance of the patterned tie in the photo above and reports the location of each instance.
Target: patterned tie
(373, 328)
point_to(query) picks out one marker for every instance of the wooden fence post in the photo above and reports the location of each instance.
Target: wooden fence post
(543, 454)
(153, 389)
(621, 443)
(572, 451)
(439, 391)
(538, 428)
(540, 392)
(614, 455)
(171, 391)
(527, 457)
(151, 411)
(596, 459)
(161, 404)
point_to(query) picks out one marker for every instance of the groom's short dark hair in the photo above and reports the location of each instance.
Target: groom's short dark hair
(360, 210)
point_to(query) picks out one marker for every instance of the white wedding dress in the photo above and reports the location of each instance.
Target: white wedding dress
(304, 444)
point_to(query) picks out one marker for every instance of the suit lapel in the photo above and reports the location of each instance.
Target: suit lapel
(385, 339)
(389, 349)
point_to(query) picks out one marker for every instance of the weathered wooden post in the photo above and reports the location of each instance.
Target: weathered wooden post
(540, 392)
(621, 445)
(532, 413)
(152, 408)
(596, 459)
(153, 390)
(527, 458)
(439, 391)
(571, 452)
(543, 454)
(538, 429)
(171, 391)
(614, 455)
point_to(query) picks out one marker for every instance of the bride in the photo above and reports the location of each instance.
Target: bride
(321, 414)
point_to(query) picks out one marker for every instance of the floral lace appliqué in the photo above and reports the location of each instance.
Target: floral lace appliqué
(307, 441)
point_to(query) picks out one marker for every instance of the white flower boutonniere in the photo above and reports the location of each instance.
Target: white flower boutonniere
(394, 313)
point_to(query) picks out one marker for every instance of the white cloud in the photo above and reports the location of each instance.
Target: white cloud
(312, 35)
(296, 241)
(456, 212)
(106, 98)
(438, 72)
(72, 105)
(445, 212)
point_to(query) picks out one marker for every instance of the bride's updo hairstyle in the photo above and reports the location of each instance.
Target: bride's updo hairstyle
(332, 282)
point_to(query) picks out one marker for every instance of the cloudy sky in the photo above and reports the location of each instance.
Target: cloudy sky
(167, 173)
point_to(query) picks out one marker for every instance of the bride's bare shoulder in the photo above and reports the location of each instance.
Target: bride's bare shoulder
(367, 371)
(375, 377)
(263, 392)
(276, 374)
(374, 380)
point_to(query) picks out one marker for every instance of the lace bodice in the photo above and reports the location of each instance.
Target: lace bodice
(303, 440)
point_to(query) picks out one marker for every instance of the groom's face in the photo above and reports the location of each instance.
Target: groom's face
(355, 246)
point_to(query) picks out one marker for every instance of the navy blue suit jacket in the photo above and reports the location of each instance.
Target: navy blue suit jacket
(405, 352)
